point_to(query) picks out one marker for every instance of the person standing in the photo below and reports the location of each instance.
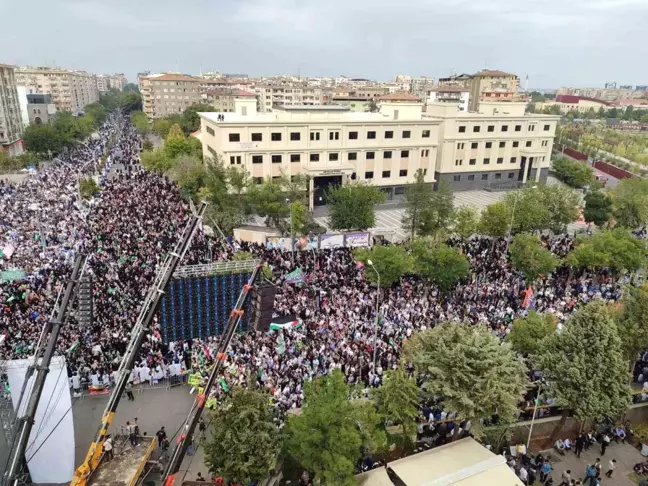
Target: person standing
(108, 448)
(545, 470)
(129, 392)
(565, 478)
(130, 427)
(161, 435)
(612, 467)
(578, 446)
(605, 442)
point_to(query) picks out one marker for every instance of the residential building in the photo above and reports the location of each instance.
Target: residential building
(605, 94)
(450, 94)
(22, 101)
(40, 109)
(462, 80)
(472, 150)
(223, 99)
(636, 103)
(581, 104)
(70, 90)
(11, 126)
(371, 91)
(141, 75)
(493, 85)
(288, 93)
(169, 93)
(106, 82)
(421, 85)
(355, 103)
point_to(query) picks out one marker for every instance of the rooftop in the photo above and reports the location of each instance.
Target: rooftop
(399, 96)
(450, 89)
(171, 77)
(493, 73)
(228, 92)
(313, 108)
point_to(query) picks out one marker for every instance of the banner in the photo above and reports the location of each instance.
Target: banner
(287, 322)
(331, 241)
(8, 250)
(295, 276)
(356, 239)
(275, 242)
(306, 243)
(11, 275)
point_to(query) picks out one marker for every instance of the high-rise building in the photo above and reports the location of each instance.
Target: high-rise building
(288, 93)
(168, 93)
(493, 85)
(106, 82)
(11, 125)
(70, 90)
(223, 99)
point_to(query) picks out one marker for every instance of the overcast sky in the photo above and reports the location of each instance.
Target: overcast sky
(556, 42)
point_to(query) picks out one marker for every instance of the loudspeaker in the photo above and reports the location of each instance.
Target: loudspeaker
(263, 306)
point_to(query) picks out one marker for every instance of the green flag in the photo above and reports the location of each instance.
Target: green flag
(223, 385)
(72, 348)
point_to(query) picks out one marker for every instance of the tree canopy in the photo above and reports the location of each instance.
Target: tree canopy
(352, 206)
(598, 208)
(398, 399)
(418, 196)
(527, 333)
(630, 203)
(573, 173)
(616, 249)
(439, 263)
(140, 121)
(438, 216)
(632, 321)
(495, 220)
(530, 258)
(191, 120)
(465, 222)
(390, 261)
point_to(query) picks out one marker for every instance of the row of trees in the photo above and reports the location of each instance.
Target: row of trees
(573, 173)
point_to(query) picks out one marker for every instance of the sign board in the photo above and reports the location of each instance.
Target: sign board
(275, 242)
(306, 243)
(331, 241)
(356, 239)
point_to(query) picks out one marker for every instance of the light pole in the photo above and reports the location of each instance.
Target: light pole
(535, 410)
(375, 336)
(292, 243)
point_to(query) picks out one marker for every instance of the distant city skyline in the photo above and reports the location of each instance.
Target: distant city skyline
(579, 43)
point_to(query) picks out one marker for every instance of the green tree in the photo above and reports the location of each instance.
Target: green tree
(223, 210)
(438, 216)
(42, 139)
(598, 208)
(468, 366)
(573, 173)
(390, 261)
(131, 87)
(495, 220)
(439, 263)
(161, 127)
(529, 214)
(615, 249)
(140, 121)
(530, 258)
(157, 161)
(418, 196)
(245, 442)
(563, 205)
(398, 400)
(191, 120)
(632, 322)
(630, 203)
(177, 144)
(352, 206)
(130, 101)
(583, 365)
(96, 111)
(325, 438)
(527, 333)
(269, 201)
(466, 222)
(88, 188)
(299, 218)
(190, 175)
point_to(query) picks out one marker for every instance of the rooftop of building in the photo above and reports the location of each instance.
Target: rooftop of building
(450, 89)
(575, 99)
(5, 66)
(493, 73)
(239, 93)
(399, 96)
(630, 101)
(319, 108)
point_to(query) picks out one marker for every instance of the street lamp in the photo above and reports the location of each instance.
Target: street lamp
(375, 336)
(292, 243)
(535, 410)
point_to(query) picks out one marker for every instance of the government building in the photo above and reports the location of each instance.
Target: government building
(497, 146)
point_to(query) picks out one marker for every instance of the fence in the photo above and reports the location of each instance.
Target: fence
(87, 389)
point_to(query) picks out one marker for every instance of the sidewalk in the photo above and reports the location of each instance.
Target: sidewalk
(626, 457)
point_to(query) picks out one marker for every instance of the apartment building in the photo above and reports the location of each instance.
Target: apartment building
(11, 125)
(288, 93)
(455, 94)
(40, 109)
(581, 104)
(106, 82)
(605, 94)
(223, 99)
(334, 145)
(70, 90)
(169, 93)
(493, 85)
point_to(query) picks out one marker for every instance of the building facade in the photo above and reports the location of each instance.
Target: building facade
(168, 94)
(581, 104)
(223, 99)
(333, 145)
(40, 109)
(106, 82)
(450, 94)
(493, 85)
(70, 90)
(11, 125)
(288, 93)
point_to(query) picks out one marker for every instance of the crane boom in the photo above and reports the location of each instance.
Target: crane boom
(51, 331)
(149, 308)
(190, 424)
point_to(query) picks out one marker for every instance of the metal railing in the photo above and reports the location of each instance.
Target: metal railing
(166, 383)
(217, 268)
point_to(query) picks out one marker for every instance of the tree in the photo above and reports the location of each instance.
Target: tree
(418, 196)
(96, 111)
(632, 322)
(269, 201)
(630, 203)
(161, 127)
(131, 87)
(326, 438)
(43, 139)
(390, 261)
(530, 258)
(245, 441)
(352, 206)
(465, 222)
(158, 161)
(563, 206)
(438, 215)
(88, 188)
(439, 263)
(583, 365)
(598, 208)
(470, 369)
(573, 173)
(191, 120)
(527, 333)
(177, 144)
(130, 101)
(615, 249)
(495, 220)
(299, 218)
(140, 121)
(398, 400)
(189, 173)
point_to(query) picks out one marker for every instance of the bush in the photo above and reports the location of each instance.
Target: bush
(88, 188)
(572, 173)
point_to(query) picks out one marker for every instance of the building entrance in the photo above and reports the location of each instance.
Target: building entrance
(320, 188)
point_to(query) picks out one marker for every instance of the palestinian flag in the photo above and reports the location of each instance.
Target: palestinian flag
(286, 322)
(295, 276)
(73, 348)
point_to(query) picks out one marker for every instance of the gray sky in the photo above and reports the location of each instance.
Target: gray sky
(556, 42)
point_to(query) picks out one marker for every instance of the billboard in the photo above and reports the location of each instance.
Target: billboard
(306, 243)
(276, 242)
(356, 239)
(331, 241)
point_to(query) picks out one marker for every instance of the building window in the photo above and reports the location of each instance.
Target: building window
(402, 173)
(456, 178)
(425, 152)
(406, 134)
(547, 128)
(474, 145)
(486, 161)
(295, 136)
(458, 162)
(276, 137)
(387, 154)
(471, 177)
(399, 190)
(371, 135)
(389, 134)
(404, 154)
(258, 180)
(276, 159)
(369, 175)
(235, 159)
(511, 175)
(516, 144)
(500, 160)
(491, 128)
(424, 172)
(460, 146)
(210, 130)
(353, 155)
(545, 143)
(333, 156)
(425, 134)
(353, 135)
(529, 143)
(371, 155)
(532, 128)
(334, 135)
(476, 129)
(498, 176)
(314, 157)
(502, 145)
(353, 176)
(315, 136)
(257, 137)
(276, 178)
(462, 129)
(295, 157)
(484, 177)
(386, 174)
(234, 137)
(513, 160)
(505, 128)
(518, 128)
(489, 145)
(472, 161)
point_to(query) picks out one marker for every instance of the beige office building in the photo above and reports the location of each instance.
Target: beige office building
(294, 94)
(69, 90)
(223, 99)
(493, 85)
(11, 125)
(498, 146)
(168, 94)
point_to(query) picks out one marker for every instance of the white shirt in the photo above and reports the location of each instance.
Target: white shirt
(108, 445)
